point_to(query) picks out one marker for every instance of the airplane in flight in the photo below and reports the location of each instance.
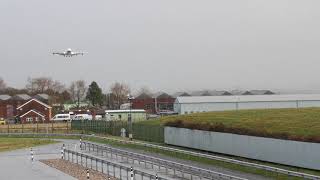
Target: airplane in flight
(68, 53)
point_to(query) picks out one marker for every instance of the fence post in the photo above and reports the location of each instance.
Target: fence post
(8, 129)
(131, 173)
(22, 126)
(52, 127)
(62, 151)
(88, 174)
(31, 153)
(37, 127)
(80, 143)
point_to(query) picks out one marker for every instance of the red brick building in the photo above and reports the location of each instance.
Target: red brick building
(5, 108)
(34, 111)
(153, 104)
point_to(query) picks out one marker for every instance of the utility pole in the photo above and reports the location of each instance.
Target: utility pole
(130, 98)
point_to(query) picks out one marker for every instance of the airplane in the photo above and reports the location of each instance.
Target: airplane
(68, 53)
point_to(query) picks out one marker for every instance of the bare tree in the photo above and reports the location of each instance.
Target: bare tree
(44, 84)
(120, 92)
(2, 84)
(78, 91)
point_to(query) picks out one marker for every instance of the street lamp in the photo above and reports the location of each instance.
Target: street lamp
(130, 98)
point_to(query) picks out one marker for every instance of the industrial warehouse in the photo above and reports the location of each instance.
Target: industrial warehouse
(194, 104)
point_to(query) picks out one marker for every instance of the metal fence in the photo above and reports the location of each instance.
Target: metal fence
(36, 128)
(140, 131)
(168, 167)
(186, 152)
(220, 158)
(106, 167)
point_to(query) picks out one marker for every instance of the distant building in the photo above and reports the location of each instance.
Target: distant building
(68, 107)
(144, 101)
(34, 111)
(153, 104)
(180, 94)
(258, 92)
(163, 102)
(122, 115)
(219, 93)
(125, 106)
(6, 109)
(210, 93)
(42, 97)
(200, 93)
(193, 104)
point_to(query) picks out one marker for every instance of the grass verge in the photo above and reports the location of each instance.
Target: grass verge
(9, 143)
(293, 124)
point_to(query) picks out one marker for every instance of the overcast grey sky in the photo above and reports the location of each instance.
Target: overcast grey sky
(166, 45)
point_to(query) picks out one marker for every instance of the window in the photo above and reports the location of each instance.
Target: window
(147, 106)
(29, 119)
(120, 116)
(62, 116)
(37, 119)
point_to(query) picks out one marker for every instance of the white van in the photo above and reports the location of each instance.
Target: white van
(61, 117)
(82, 117)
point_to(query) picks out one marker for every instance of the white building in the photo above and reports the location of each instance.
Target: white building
(193, 104)
(122, 115)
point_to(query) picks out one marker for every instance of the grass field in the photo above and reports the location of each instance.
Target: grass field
(296, 124)
(7, 144)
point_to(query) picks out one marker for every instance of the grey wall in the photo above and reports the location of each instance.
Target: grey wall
(294, 153)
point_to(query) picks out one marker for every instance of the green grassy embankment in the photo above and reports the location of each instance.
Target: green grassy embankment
(294, 124)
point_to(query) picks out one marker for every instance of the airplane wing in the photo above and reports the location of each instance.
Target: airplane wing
(78, 53)
(58, 53)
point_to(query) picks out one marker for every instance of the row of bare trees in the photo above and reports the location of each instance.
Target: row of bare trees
(76, 92)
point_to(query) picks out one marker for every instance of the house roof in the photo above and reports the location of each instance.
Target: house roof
(258, 92)
(42, 96)
(32, 111)
(143, 96)
(210, 93)
(4, 97)
(47, 106)
(219, 93)
(177, 94)
(161, 95)
(21, 97)
(201, 93)
(244, 98)
(237, 92)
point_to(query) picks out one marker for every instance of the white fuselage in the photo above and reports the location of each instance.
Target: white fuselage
(68, 53)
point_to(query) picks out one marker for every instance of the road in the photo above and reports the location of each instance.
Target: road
(17, 164)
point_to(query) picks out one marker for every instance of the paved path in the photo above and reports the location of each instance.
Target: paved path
(17, 164)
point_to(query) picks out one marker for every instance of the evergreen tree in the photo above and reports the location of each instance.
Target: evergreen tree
(94, 94)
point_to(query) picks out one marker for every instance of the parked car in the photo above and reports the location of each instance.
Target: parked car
(62, 117)
(2, 122)
(82, 117)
